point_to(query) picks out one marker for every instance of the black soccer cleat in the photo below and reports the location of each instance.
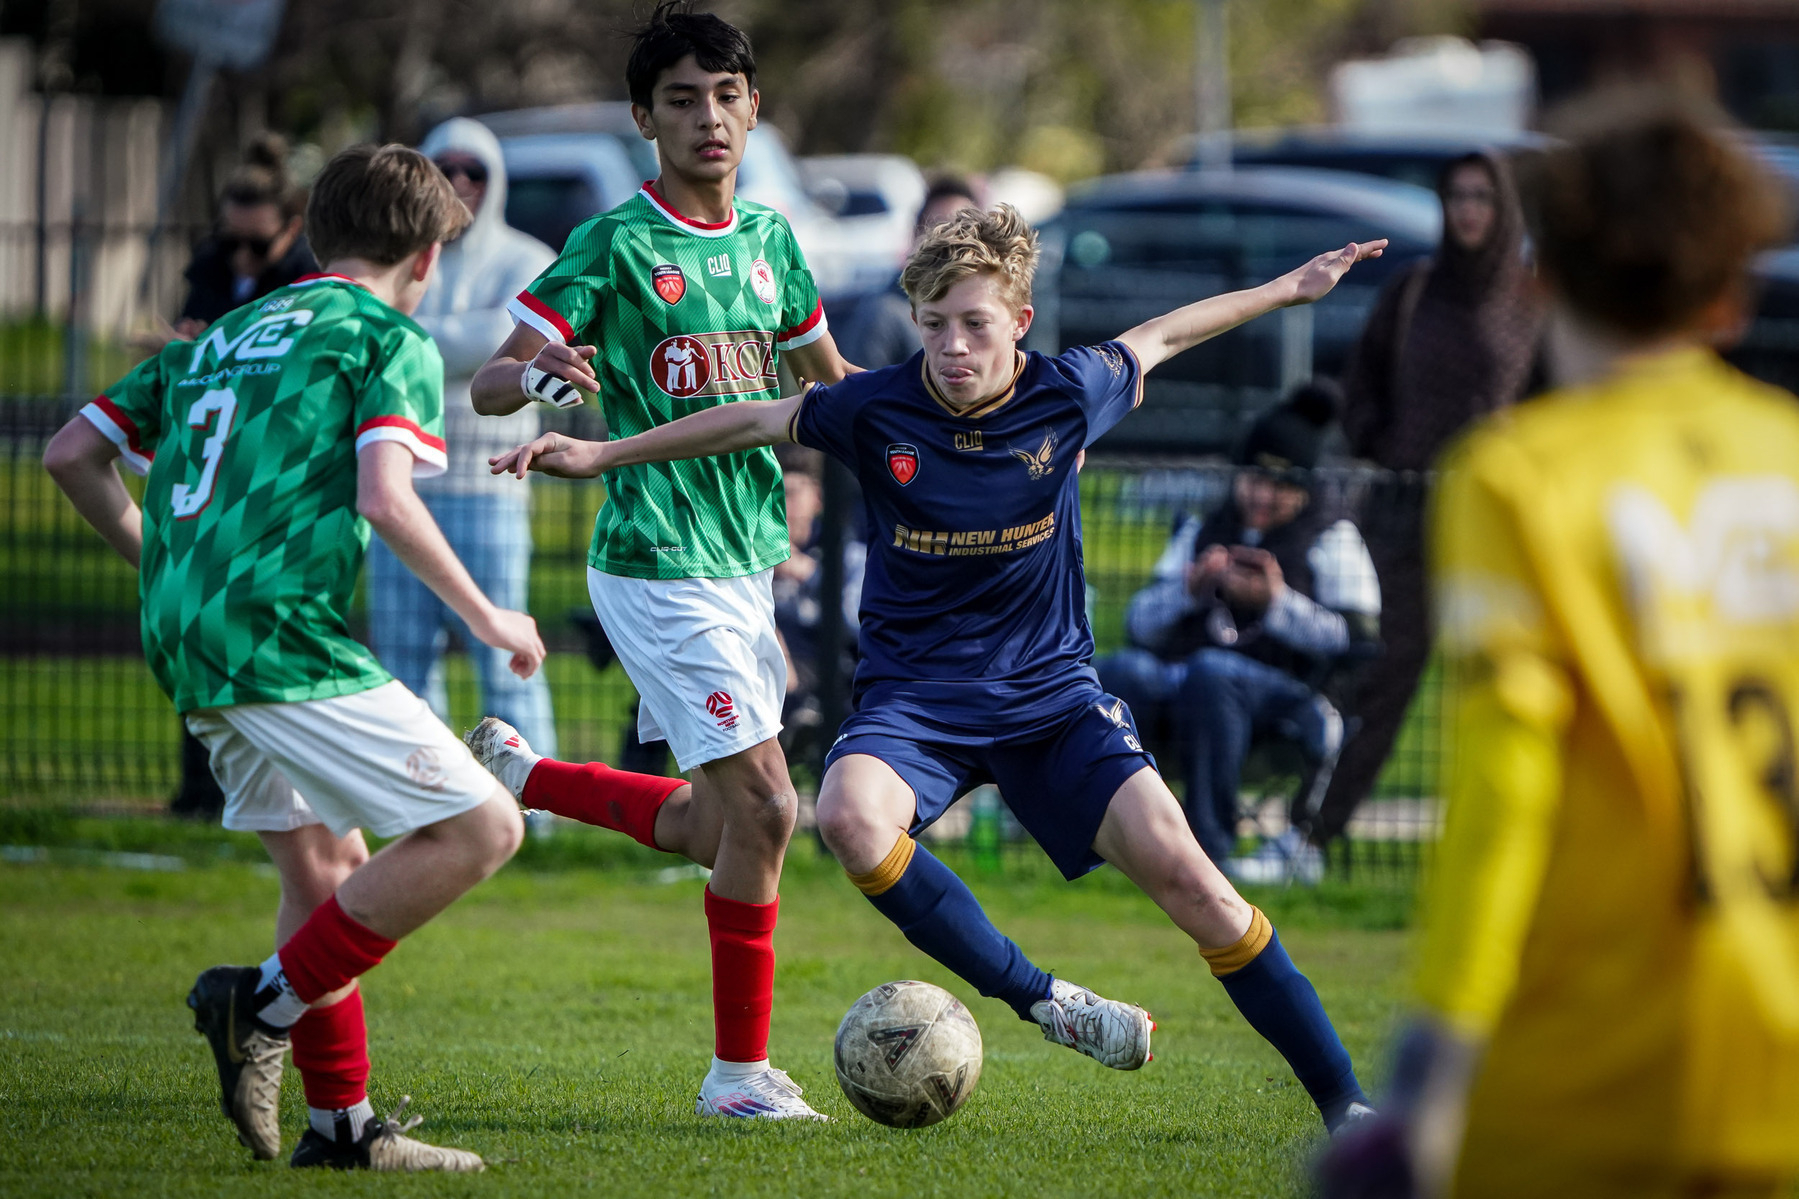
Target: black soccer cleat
(383, 1145)
(247, 1052)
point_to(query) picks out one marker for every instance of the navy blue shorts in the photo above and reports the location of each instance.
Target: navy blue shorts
(1057, 784)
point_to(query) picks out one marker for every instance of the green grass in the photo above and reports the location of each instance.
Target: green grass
(558, 1019)
(32, 360)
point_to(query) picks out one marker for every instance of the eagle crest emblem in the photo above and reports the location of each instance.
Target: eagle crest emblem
(1040, 461)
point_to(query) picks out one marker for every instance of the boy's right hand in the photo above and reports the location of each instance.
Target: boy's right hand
(515, 631)
(570, 363)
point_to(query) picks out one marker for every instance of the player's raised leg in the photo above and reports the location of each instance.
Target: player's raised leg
(653, 810)
(246, 1010)
(865, 812)
(1146, 835)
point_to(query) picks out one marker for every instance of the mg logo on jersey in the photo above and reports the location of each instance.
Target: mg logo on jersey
(669, 282)
(721, 364)
(720, 705)
(902, 462)
(266, 337)
(762, 281)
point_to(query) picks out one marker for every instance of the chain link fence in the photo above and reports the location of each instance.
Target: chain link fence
(86, 725)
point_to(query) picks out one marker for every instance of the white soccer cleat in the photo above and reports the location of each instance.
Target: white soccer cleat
(1354, 1114)
(1111, 1033)
(505, 753)
(1280, 861)
(768, 1094)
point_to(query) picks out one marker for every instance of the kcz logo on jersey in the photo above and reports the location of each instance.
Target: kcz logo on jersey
(762, 281)
(669, 282)
(1040, 461)
(723, 709)
(902, 462)
(720, 364)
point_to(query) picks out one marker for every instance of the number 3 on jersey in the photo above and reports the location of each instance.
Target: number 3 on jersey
(188, 501)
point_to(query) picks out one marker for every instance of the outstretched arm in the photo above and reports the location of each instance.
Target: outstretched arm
(721, 430)
(1157, 340)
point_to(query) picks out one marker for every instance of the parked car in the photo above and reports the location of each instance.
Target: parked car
(563, 138)
(1128, 247)
(875, 199)
(1415, 158)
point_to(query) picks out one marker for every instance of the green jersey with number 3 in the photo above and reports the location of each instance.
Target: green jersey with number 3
(685, 316)
(249, 437)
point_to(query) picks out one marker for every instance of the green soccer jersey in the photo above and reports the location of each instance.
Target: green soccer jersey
(249, 438)
(686, 316)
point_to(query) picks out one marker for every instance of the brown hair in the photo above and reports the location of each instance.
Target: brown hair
(1650, 211)
(381, 203)
(262, 178)
(998, 242)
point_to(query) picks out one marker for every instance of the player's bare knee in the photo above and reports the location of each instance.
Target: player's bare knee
(508, 829)
(849, 833)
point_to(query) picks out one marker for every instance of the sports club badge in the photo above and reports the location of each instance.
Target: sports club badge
(902, 462)
(762, 281)
(669, 282)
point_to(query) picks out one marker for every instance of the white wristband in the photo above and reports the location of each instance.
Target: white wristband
(542, 385)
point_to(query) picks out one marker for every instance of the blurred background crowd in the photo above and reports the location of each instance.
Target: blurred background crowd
(1253, 535)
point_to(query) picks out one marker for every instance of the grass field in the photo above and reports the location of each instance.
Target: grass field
(557, 1021)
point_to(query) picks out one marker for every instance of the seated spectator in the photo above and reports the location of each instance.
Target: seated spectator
(1247, 614)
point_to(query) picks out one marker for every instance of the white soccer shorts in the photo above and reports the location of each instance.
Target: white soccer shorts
(379, 760)
(703, 655)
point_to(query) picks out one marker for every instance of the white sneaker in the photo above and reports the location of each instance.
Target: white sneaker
(1354, 1114)
(503, 750)
(766, 1094)
(1283, 860)
(1111, 1033)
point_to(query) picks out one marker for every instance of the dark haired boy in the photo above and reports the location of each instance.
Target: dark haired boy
(692, 295)
(271, 445)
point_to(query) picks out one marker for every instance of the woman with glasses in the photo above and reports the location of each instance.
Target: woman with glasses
(257, 245)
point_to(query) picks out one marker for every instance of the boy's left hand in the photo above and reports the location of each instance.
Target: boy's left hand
(1314, 280)
(553, 454)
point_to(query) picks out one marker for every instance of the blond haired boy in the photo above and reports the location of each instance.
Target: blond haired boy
(976, 655)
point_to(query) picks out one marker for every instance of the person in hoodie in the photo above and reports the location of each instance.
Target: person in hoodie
(487, 520)
(1451, 340)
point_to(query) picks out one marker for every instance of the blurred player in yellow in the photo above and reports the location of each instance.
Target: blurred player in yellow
(1609, 959)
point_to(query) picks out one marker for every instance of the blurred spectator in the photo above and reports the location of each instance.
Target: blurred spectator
(259, 245)
(1453, 339)
(878, 329)
(486, 519)
(1247, 615)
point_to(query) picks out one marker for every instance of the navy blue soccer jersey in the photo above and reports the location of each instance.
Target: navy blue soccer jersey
(974, 601)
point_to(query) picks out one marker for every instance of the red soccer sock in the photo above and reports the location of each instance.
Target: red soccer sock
(331, 1051)
(329, 950)
(743, 975)
(594, 793)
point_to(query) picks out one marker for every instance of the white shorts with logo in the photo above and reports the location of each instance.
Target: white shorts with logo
(379, 760)
(703, 655)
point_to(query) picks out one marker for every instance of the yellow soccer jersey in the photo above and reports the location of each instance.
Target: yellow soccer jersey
(1615, 903)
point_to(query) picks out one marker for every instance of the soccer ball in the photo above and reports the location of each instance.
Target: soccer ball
(908, 1054)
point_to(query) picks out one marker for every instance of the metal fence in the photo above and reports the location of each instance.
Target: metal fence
(85, 723)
